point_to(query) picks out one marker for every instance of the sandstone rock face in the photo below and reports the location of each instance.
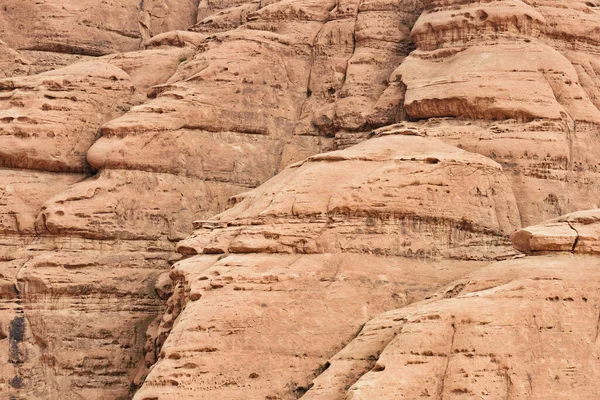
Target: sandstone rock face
(34, 110)
(12, 62)
(342, 159)
(264, 325)
(440, 200)
(516, 329)
(513, 60)
(82, 255)
(577, 232)
(89, 27)
(301, 265)
(55, 313)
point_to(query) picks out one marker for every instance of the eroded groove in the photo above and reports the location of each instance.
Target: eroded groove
(442, 388)
(576, 241)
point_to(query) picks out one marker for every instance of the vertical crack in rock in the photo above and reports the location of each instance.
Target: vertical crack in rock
(196, 4)
(597, 328)
(503, 371)
(144, 22)
(442, 388)
(16, 336)
(353, 43)
(16, 356)
(383, 103)
(313, 49)
(571, 137)
(373, 360)
(576, 241)
(368, 364)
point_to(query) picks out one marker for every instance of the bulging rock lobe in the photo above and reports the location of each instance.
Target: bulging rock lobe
(426, 193)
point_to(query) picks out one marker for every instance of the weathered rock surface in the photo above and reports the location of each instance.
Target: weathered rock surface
(118, 128)
(302, 268)
(89, 27)
(422, 196)
(265, 324)
(12, 63)
(80, 256)
(577, 232)
(522, 64)
(531, 71)
(34, 109)
(515, 329)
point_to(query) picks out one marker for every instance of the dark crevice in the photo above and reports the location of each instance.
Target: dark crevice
(16, 336)
(576, 241)
(371, 363)
(312, 63)
(195, 13)
(353, 44)
(597, 328)
(63, 48)
(443, 382)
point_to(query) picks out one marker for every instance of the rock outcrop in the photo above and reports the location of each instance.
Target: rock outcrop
(527, 327)
(290, 273)
(519, 328)
(89, 27)
(577, 233)
(424, 197)
(12, 63)
(60, 322)
(526, 66)
(342, 159)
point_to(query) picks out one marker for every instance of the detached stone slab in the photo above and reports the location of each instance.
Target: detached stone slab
(578, 232)
(549, 237)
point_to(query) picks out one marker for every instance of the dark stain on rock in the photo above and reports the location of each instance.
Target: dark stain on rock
(16, 382)
(16, 335)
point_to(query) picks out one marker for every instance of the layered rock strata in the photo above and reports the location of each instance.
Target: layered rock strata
(519, 328)
(89, 27)
(48, 351)
(577, 232)
(107, 163)
(527, 327)
(515, 63)
(291, 272)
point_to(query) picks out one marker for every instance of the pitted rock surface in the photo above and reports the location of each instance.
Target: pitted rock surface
(346, 162)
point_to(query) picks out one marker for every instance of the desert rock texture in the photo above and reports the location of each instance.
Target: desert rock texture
(283, 199)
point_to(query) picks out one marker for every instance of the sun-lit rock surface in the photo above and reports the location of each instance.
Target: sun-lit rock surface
(525, 65)
(34, 109)
(310, 265)
(519, 328)
(578, 232)
(90, 27)
(12, 63)
(265, 324)
(438, 199)
(441, 126)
